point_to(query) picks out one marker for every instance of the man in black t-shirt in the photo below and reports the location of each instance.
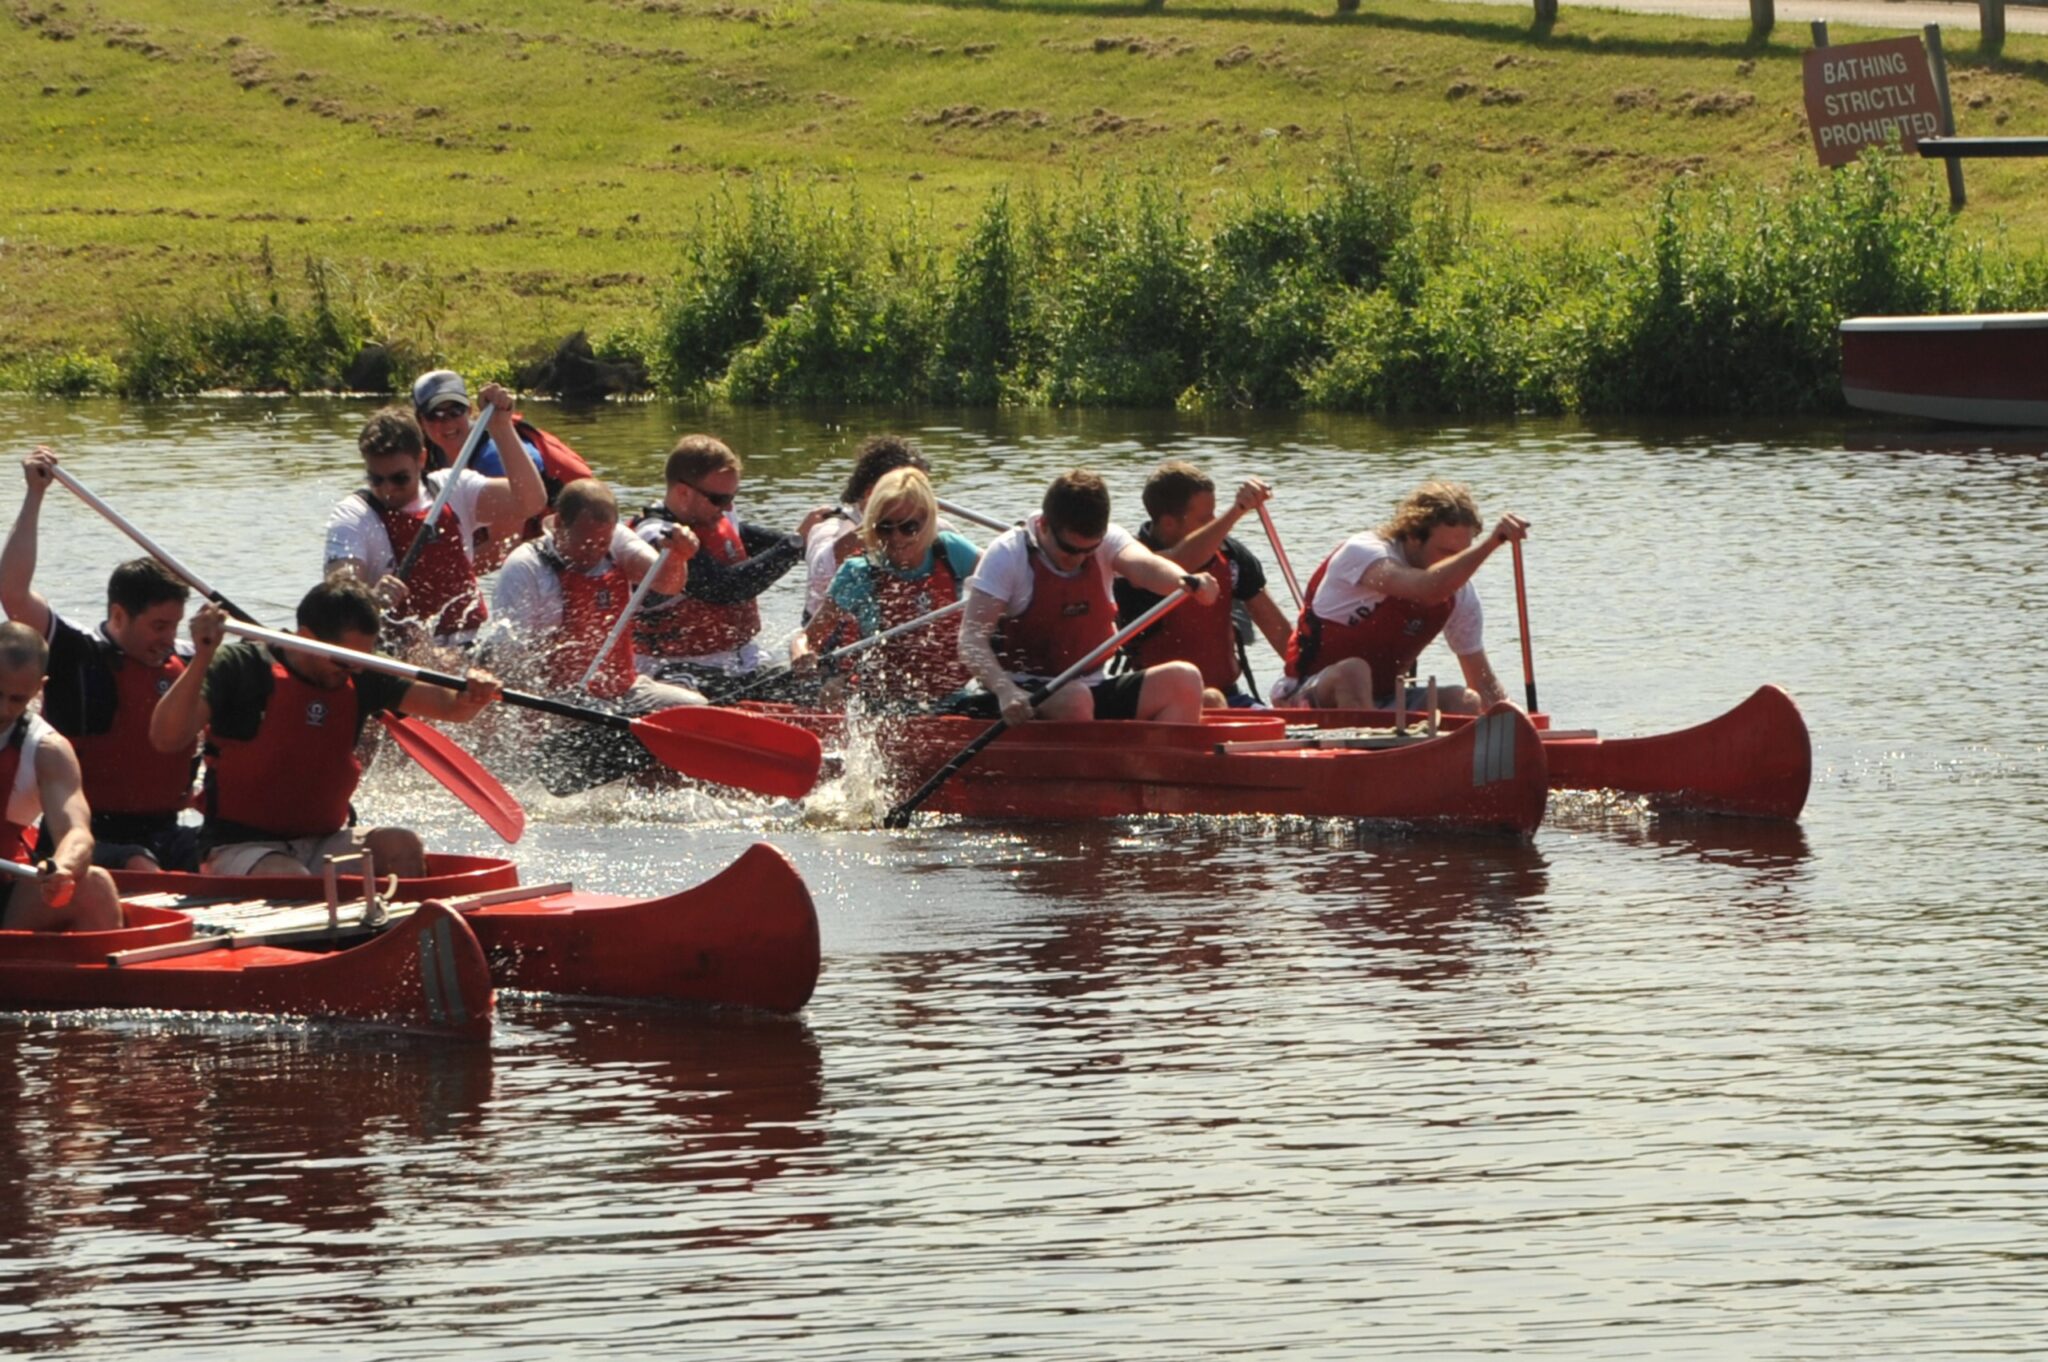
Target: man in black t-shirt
(102, 686)
(281, 728)
(1184, 527)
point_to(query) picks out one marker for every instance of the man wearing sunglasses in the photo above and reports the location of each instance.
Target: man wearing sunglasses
(1040, 601)
(371, 529)
(705, 635)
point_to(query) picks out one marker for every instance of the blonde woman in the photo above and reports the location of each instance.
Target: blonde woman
(910, 568)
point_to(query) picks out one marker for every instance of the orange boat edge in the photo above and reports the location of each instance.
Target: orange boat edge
(1754, 761)
(426, 974)
(747, 937)
(1486, 776)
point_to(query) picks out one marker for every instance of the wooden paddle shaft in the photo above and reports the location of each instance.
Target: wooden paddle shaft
(1522, 606)
(40, 870)
(391, 666)
(975, 517)
(148, 545)
(432, 526)
(1280, 554)
(870, 640)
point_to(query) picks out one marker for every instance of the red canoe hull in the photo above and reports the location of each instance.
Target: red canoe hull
(1988, 369)
(427, 974)
(747, 937)
(1756, 760)
(1488, 776)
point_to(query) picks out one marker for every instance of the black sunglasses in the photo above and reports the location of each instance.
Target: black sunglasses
(909, 529)
(722, 500)
(398, 479)
(449, 412)
(1078, 550)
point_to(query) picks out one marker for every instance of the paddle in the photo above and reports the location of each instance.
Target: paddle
(865, 641)
(1286, 568)
(463, 776)
(41, 870)
(900, 815)
(432, 527)
(626, 616)
(976, 517)
(723, 747)
(1522, 604)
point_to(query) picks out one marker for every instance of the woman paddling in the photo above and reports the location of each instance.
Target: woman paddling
(910, 569)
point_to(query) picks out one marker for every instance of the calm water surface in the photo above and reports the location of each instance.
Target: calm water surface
(1155, 1089)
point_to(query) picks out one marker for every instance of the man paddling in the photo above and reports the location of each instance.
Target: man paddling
(281, 728)
(440, 402)
(1040, 600)
(1184, 526)
(104, 685)
(1376, 602)
(370, 530)
(39, 779)
(705, 635)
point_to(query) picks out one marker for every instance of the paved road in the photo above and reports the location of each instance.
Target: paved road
(1903, 15)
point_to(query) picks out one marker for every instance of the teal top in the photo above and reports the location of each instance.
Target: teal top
(853, 586)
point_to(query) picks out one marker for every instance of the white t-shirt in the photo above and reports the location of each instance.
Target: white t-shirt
(1005, 571)
(527, 603)
(820, 562)
(355, 531)
(1340, 598)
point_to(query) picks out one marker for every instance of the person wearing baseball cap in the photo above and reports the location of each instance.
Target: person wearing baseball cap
(440, 401)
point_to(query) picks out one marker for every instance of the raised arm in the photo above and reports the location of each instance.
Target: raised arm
(18, 560)
(1439, 582)
(1161, 576)
(176, 722)
(509, 502)
(1198, 548)
(636, 555)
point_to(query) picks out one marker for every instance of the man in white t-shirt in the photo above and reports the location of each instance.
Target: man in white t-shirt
(1040, 601)
(1376, 603)
(370, 530)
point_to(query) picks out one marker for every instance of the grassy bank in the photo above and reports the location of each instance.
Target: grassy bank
(475, 181)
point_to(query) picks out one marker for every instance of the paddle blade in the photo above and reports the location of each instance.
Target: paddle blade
(727, 747)
(463, 775)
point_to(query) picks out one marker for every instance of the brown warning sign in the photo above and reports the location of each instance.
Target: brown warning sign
(1868, 95)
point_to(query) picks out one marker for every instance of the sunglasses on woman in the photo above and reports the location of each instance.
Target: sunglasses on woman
(449, 412)
(889, 529)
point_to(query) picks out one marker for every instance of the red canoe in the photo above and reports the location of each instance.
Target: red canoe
(426, 974)
(1755, 760)
(747, 937)
(1489, 775)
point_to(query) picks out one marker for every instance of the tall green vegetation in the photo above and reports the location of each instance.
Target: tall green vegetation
(1367, 289)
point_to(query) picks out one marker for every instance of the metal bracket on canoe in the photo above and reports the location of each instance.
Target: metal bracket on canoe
(374, 912)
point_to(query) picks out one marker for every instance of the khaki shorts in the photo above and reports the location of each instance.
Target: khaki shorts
(240, 858)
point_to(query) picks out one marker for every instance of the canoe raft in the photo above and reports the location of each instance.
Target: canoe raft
(747, 937)
(1488, 775)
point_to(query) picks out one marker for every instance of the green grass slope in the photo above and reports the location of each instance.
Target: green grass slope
(486, 175)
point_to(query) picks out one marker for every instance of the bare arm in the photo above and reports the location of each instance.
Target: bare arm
(635, 559)
(1198, 548)
(978, 654)
(507, 503)
(1161, 576)
(18, 559)
(1438, 583)
(1479, 676)
(822, 626)
(64, 809)
(1271, 622)
(176, 722)
(429, 701)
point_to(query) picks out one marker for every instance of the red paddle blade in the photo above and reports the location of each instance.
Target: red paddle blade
(464, 776)
(727, 747)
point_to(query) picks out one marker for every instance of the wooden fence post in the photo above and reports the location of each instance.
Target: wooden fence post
(1948, 114)
(1546, 13)
(1991, 23)
(1820, 32)
(1763, 17)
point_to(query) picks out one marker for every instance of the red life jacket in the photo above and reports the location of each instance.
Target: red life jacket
(590, 607)
(924, 663)
(1389, 637)
(122, 772)
(295, 777)
(1067, 618)
(1192, 632)
(441, 587)
(688, 627)
(559, 464)
(21, 790)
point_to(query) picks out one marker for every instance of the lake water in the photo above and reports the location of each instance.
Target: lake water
(1163, 1090)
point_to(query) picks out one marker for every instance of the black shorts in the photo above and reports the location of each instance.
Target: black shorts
(1116, 698)
(118, 838)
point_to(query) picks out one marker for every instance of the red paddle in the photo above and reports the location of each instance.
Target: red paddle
(464, 777)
